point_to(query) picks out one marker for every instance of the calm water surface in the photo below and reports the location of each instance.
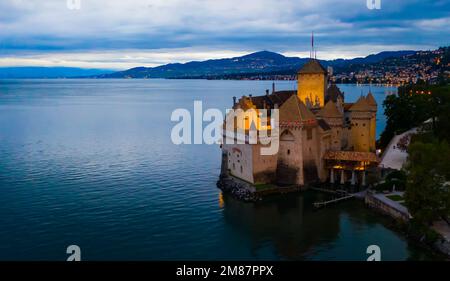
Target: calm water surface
(90, 162)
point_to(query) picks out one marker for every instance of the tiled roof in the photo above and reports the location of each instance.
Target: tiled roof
(294, 110)
(333, 92)
(313, 66)
(281, 96)
(330, 111)
(348, 105)
(360, 105)
(278, 97)
(351, 156)
(370, 99)
(324, 125)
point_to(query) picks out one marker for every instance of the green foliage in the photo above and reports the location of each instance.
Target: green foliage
(397, 178)
(404, 111)
(412, 106)
(395, 197)
(396, 175)
(384, 186)
(441, 105)
(426, 137)
(422, 232)
(263, 186)
(427, 171)
(372, 178)
(428, 168)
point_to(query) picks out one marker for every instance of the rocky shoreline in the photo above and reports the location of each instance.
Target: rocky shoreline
(247, 192)
(238, 189)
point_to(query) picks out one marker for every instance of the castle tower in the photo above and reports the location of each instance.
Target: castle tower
(290, 152)
(334, 94)
(312, 83)
(373, 119)
(361, 136)
(335, 119)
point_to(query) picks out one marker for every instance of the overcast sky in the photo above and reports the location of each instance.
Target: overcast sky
(119, 34)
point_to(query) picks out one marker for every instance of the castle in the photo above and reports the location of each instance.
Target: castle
(321, 137)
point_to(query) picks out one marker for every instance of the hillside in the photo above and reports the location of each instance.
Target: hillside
(263, 62)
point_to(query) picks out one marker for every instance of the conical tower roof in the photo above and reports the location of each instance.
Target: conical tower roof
(313, 66)
(371, 100)
(333, 92)
(330, 111)
(295, 110)
(361, 105)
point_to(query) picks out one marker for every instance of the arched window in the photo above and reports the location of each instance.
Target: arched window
(242, 170)
(288, 151)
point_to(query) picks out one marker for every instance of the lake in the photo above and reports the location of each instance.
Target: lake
(91, 163)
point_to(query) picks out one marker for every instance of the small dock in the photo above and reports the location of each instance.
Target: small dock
(325, 203)
(338, 191)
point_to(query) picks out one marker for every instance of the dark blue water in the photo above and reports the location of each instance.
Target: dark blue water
(90, 162)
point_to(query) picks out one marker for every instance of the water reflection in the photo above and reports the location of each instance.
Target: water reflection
(294, 230)
(289, 223)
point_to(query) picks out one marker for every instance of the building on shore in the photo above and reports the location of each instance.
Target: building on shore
(321, 137)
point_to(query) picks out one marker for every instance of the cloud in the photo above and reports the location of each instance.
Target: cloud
(125, 59)
(117, 60)
(441, 24)
(44, 31)
(359, 50)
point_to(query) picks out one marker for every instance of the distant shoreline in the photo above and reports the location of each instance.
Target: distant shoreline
(202, 79)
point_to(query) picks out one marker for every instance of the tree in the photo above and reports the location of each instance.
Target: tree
(441, 109)
(427, 194)
(406, 110)
(413, 105)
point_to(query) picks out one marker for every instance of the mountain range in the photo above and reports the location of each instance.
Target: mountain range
(255, 63)
(262, 62)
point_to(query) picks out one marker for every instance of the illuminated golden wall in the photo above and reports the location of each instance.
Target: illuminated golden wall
(311, 89)
(373, 133)
(361, 135)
